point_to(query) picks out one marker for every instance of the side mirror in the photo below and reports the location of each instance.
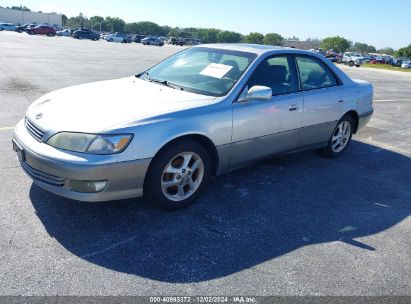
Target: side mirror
(257, 93)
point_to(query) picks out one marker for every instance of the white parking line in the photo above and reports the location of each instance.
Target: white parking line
(6, 128)
(388, 100)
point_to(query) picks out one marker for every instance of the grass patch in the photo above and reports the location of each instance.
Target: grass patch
(385, 67)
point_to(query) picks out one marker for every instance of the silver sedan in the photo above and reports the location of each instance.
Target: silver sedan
(204, 111)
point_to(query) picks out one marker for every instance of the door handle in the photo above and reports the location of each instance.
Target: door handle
(341, 101)
(293, 107)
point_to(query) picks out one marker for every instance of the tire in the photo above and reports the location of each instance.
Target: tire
(357, 65)
(110, 40)
(148, 43)
(79, 37)
(334, 149)
(31, 33)
(350, 63)
(50, 34)
(184, 186)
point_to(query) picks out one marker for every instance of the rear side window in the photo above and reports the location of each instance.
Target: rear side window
(314, 74)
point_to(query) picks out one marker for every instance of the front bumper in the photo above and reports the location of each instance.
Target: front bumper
(124, 179)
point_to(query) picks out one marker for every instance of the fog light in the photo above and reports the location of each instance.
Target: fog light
(87, 186)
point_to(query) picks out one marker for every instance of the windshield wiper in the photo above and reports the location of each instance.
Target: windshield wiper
(166, 83)
(163, 82)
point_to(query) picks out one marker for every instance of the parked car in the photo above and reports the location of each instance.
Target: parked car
(176, 41)
(406, 65)
(152, 41)
(137, 38)
(378, 60)
(65, 32)
(30, 26)
(352, 59)
(192, 41)
(7, 26)
(319, 51)
(396, 62)
(85, 34)
(118, 37)
(21, 28)
(202, 112)
(42, 30)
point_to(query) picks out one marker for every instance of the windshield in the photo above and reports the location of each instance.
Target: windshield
(205, 71)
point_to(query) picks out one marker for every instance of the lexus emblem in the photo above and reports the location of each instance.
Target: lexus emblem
(39, 115)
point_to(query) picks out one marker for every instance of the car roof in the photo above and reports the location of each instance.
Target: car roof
(254, 48)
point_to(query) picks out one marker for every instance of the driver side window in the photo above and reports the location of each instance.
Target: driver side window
(277, 74)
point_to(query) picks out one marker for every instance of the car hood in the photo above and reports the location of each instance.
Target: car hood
(106, 105)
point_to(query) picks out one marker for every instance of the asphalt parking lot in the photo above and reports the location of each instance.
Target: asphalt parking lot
(295, 225)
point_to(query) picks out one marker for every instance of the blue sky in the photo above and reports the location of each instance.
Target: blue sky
(374, 22)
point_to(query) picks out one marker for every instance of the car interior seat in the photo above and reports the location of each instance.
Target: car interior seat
(315, 79)
(235, 72)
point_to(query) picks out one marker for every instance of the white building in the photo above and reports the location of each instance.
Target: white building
(22, 17)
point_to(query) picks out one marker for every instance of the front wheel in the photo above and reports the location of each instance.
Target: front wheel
(178, 174)
(351, 64)
(341, 137)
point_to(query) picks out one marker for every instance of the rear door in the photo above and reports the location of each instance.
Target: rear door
(324, 99)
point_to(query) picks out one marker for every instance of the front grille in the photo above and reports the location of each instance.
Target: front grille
(43, 177)
(35, 131)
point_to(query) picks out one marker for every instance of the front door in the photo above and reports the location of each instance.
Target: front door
(266, 127)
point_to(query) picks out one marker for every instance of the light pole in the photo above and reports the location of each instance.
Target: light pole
(101, 22)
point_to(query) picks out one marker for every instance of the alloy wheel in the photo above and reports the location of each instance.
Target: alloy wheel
(182, 176)
(341, 136)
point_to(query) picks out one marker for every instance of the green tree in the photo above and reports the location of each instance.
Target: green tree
(174, 32)
(404, 52)
(273, 39)
(64, 19)
(79, 21)
(229, 37)
(95, 23)
(165, 29)
(359, 47)
(386, 50)
(255, 38)
(131, 28)
(207, 35)
(21, 8)
(115, 24)
(338, 44)
(314, 42)
(145, 28)
(371, 49)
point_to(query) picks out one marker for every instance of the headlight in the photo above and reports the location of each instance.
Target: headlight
(90, 143)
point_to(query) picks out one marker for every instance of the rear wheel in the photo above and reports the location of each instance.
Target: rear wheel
(178, 175)
(50, 34)
(31, 33)
(351, 63)
(341, 137)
